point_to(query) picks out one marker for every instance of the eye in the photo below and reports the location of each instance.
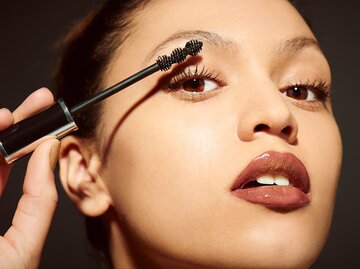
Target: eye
(195, 84)
(198, 85)
(301, 92)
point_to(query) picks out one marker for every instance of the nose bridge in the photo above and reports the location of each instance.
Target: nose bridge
(273, 109)
(266, 111)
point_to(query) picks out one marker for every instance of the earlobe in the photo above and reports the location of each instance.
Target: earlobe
(80, 177)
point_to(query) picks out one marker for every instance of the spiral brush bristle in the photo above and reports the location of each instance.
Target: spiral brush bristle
(193, 47)
(178, 55)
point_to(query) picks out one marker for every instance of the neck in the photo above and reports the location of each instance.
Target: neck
(125, 251)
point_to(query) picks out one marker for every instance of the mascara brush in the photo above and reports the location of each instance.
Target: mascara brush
(57, 121)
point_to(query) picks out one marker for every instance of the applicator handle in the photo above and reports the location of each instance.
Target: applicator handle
(23, 137)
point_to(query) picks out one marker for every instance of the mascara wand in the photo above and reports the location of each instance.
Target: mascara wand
(57, 121)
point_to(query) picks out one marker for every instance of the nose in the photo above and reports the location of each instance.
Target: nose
(267, 112)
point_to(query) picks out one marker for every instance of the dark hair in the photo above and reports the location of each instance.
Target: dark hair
(86, 53)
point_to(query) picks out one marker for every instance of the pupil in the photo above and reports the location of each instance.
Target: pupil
(296, 92)
(195, 83)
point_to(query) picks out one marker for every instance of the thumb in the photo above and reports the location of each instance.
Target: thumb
(36, 207)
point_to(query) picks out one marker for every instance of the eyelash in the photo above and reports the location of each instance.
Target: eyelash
(194, 72)
(320, 88)
(189, 74)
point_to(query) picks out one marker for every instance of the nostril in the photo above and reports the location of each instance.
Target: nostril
(261, 128)
(287, 131)
(265, 128)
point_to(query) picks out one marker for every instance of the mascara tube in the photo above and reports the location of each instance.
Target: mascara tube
(54, 122)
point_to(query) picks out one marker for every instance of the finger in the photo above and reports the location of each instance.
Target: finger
(6, 118)
(36, 207)
(35, 102)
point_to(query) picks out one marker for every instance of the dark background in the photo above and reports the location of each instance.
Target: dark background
(29, 31)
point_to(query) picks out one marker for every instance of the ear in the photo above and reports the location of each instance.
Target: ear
(80, 176)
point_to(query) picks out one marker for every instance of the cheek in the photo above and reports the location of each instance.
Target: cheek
(320, 141)
(165, 167)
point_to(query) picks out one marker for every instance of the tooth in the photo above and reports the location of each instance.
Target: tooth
(281, 181)
(267, 179)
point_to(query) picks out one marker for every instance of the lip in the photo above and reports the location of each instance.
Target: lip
(282, 197)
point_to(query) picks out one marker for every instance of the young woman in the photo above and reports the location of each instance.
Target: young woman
(222, 162)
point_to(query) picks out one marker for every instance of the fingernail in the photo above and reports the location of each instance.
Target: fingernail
(54, 154)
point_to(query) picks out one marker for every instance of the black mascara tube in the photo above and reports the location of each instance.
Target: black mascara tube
(22, 137)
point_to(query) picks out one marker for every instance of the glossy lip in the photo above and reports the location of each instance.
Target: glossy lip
(283, 197)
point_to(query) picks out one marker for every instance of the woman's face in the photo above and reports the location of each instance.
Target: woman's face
(182, 146)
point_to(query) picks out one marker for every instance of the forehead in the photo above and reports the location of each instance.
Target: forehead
(257, 27)
(246, 22)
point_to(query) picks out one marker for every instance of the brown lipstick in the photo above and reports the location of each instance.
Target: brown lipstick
(275, 180)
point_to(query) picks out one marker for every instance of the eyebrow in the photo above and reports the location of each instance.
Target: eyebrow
(294, 45)
(287, 47)
(204, 36)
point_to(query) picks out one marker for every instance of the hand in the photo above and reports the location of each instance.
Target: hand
(22, 244)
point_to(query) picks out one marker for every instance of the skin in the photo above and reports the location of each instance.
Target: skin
(160, 167)
(22, 244)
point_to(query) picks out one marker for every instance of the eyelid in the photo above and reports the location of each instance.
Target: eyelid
(191, 72)
(195, 71)
(322, 88)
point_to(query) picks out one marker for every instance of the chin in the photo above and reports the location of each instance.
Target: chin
(273, 252)
(280, 257)
(276, 243)
(276, 248)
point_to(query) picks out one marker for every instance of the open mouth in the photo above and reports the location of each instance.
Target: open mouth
(276, 180)
(268, 180)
